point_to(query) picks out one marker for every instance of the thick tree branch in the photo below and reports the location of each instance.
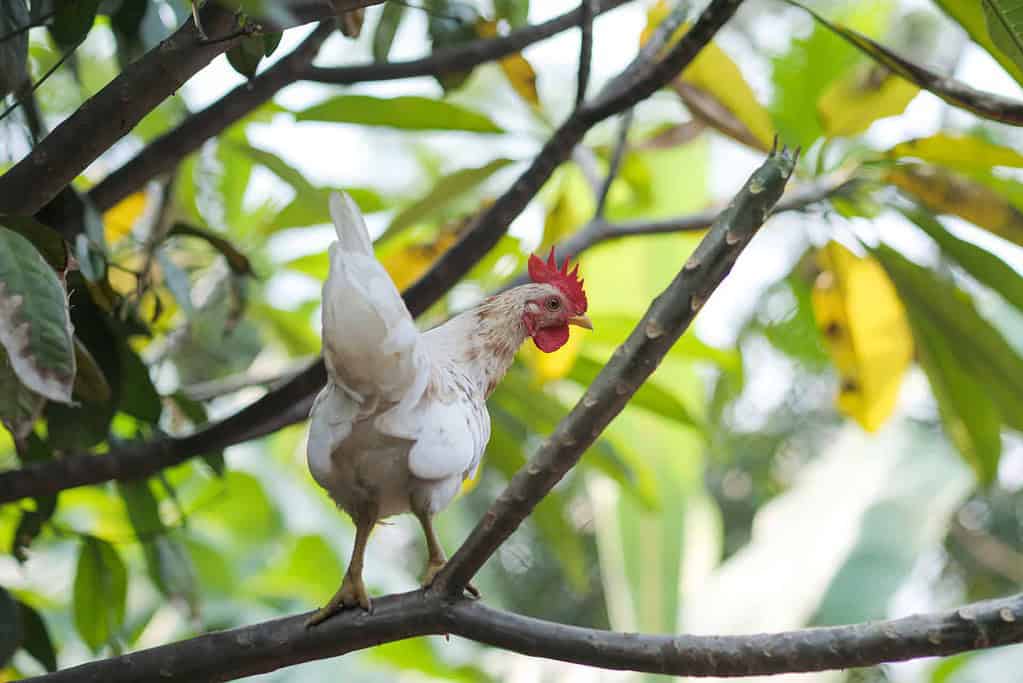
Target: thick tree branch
(272, 645)
(276, 409)
(165, 152)
(630, 365)
(111, 113)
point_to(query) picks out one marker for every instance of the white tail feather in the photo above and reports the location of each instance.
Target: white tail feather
(351, 229)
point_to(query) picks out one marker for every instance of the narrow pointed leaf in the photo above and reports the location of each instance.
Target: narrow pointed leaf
(100, 590)
(406, 113)
(1005, 26)
(970, 15)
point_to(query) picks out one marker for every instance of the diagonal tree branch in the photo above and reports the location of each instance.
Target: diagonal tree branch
(630, 365)
(163, 153)
(111, 113)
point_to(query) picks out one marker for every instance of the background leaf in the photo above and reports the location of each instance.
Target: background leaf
(405, 112)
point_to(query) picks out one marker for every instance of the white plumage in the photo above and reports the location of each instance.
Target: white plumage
(402, 420)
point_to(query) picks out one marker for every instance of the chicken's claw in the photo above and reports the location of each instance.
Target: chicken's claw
(351, 594)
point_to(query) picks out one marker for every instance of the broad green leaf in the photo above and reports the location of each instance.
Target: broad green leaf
(406, 113)
(35, 638)
(958, 152)
(1005, 26)
(951, 91)
(138, 396)
(865, 329)
(419, 656)
(985, 267)
(715, 76)
(794, 332)
(946, 192)
(14, 48)
(246, 55)
(444, 191)
(236, 260)
(970, 15)
(870, 92)
(270, 42)
(10, 626)
(386, 29)
(451, 23)
(35, 325)
(100, 591)
(45, 239)
(244, 514)
(72, 22)
(515, 12)
(127, 25)
(987, 356)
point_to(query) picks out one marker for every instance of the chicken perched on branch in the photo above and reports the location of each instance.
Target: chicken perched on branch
(403, 419)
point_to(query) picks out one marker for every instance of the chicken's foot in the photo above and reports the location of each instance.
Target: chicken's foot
(352, 591)
(435, 559)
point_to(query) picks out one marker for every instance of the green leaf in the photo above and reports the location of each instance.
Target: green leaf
(72, 21)
(47, 240)
(100, 591)
(236, 260)
(35, 638)
(1005, 26)
(444, 191)
(176, 280)
(307, 570)
(270, 42)
(10, 626)
(971, 16)
(985, 267)
(515, 12)
(13, 49)
(868, 93)
(35, 325)
(406, 113)
(419, 655)
(386, 29)
(139, 397)
(451, 23)
(246, 55)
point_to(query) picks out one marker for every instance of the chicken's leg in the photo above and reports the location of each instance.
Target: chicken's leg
(352, 591)
(435, 560)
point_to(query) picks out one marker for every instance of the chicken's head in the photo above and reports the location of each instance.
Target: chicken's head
(558, 303)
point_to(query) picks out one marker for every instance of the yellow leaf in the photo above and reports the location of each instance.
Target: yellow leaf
(714, 90)
(119, 219)
(942, 191)
(866, 331)
(469, 483)
(547, 367)
(407, 264)
(517, 69)
(868, 93)
(963, 152)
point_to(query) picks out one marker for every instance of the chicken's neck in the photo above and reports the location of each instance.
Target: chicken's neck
(481, 342)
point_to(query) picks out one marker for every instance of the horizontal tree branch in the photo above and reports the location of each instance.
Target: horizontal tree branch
(112, 112)
(459, 57)
(272, 645)
(630, 365)
(165, 152)
(276, 409)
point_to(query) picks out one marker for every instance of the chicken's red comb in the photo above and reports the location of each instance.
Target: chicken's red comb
(570, 284)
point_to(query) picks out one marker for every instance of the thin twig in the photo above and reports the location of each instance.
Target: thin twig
(621, 144)
(586, 12)
(42, 79)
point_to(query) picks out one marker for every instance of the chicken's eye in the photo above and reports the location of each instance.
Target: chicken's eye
(553, 304)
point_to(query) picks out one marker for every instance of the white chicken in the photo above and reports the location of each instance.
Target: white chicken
(403, 420)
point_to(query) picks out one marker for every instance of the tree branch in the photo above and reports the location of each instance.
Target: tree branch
(664, 322)
(586, 12)
(456, 58)
(110, 114)
(272, 645)
(165, 152)
(276, 409)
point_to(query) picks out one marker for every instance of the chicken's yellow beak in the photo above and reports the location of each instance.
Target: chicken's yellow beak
(581, 321)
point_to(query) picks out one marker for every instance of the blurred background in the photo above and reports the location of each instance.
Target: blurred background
(807, 455)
